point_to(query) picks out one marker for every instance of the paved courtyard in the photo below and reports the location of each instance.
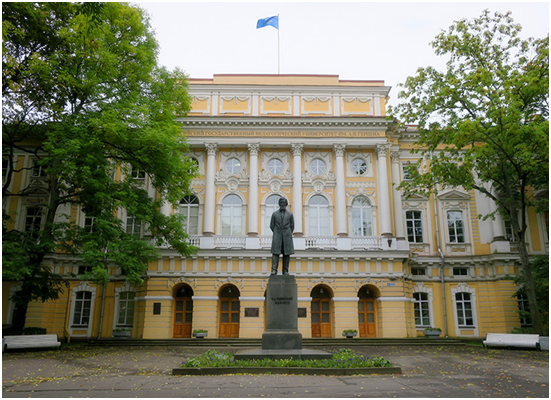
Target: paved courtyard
(427, 371)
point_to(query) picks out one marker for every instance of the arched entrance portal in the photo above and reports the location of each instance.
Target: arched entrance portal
(321, 311)
(229, 307)
(367, 312)
(183, 311)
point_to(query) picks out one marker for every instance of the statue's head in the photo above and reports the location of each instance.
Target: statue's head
(283, 203)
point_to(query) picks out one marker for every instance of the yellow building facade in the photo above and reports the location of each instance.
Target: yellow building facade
(365, 258)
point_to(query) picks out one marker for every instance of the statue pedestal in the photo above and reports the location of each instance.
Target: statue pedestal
(282, 339)
(281, 314)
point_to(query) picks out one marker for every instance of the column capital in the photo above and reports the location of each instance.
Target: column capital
(212, 148)
(395, 157)
(339, 149)
(297, 148)
(381, 149)
(254, 148)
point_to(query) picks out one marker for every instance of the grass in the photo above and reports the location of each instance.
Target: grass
(345, 358)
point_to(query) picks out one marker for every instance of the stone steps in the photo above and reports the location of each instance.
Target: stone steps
(307, 342)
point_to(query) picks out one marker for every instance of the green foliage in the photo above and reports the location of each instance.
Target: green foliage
(484, 122)
(345, 358)
(540, 275)
(33, 330)
(83, 95)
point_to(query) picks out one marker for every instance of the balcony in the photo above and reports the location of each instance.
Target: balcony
(322, 243)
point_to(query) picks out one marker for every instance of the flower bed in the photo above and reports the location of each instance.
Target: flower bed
(344, 362)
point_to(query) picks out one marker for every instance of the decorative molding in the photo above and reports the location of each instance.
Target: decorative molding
(332, 283)
(221, 282)
(173, 282)
(382, 149)
(368, 281)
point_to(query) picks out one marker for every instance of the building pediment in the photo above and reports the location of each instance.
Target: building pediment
(453, 194)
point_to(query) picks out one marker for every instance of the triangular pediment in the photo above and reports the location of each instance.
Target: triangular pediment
(453, 194)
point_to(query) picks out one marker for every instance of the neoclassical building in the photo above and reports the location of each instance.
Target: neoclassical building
(365, 257)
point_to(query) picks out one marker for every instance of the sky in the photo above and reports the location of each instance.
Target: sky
(355, 40)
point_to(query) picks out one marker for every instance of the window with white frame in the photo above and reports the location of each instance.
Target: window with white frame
(464, 309)
(232, 210)
(275, 166)
(189, 208)
(233, 165)
(524, 309)
(509, 232)
(33, 219)
(272, 205)
(406, 175)
(421, 307)
(358, 166)
(318, 166)
(88, 224)
(133, 226)
(136, 173)
(318, 216)
(455, 227)
(126, 309)
(82, 307)
(414, 225)
(38, 170)
(361, 217)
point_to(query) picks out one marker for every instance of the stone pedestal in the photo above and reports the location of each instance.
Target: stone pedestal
(281, 314)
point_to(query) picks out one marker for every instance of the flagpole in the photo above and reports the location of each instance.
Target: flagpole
(278, 44)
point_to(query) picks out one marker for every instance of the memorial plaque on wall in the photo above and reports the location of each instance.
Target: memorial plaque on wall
(302, 312)
(252, 312)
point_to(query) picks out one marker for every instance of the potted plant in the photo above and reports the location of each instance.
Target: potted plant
(122, 332)
(432, 333)
(349, 333)
(200, 333)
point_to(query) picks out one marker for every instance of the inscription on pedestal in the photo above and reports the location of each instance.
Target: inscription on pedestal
(281, 314)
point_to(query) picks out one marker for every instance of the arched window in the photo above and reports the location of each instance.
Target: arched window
(272, 204)
(231, 215)
(361, 217)
(318, 216)
(189, 208)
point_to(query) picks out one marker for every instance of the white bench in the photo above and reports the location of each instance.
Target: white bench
(30, 341)
(512, 340)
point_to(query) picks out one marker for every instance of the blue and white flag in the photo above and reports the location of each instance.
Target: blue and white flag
(272, 21)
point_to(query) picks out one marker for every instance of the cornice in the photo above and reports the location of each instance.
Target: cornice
(201, 122)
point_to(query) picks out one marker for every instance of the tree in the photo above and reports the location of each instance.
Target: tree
(485, 121)
(540, 275)
(83, 96)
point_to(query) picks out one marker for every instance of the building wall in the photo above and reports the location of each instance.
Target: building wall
(299, 119)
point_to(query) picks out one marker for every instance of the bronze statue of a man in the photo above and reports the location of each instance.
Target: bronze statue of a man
(282, 225)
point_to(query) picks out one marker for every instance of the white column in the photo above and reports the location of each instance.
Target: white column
(341, 196)
(297, 188)
(253, 188)
(210, 192)
(399, 225)
(382, 190)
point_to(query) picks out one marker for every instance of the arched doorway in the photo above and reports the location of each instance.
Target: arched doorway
(183, 311)
(367, 312)
(321, 311)
(229, 307)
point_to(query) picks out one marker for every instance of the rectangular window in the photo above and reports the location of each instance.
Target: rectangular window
(524, 309)
(126, 309)
(418, 271)
(137, 174)
(455, 227)
(84, 269)
(88, 224)
(421, 307)
(509, 233)
(460, 271)
(33, 219)
(83, 305)
(414, 226)
(133, 226)
(405, 171)
(464, 309)
(38, 171)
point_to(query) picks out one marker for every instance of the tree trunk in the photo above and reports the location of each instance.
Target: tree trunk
(537, 325)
